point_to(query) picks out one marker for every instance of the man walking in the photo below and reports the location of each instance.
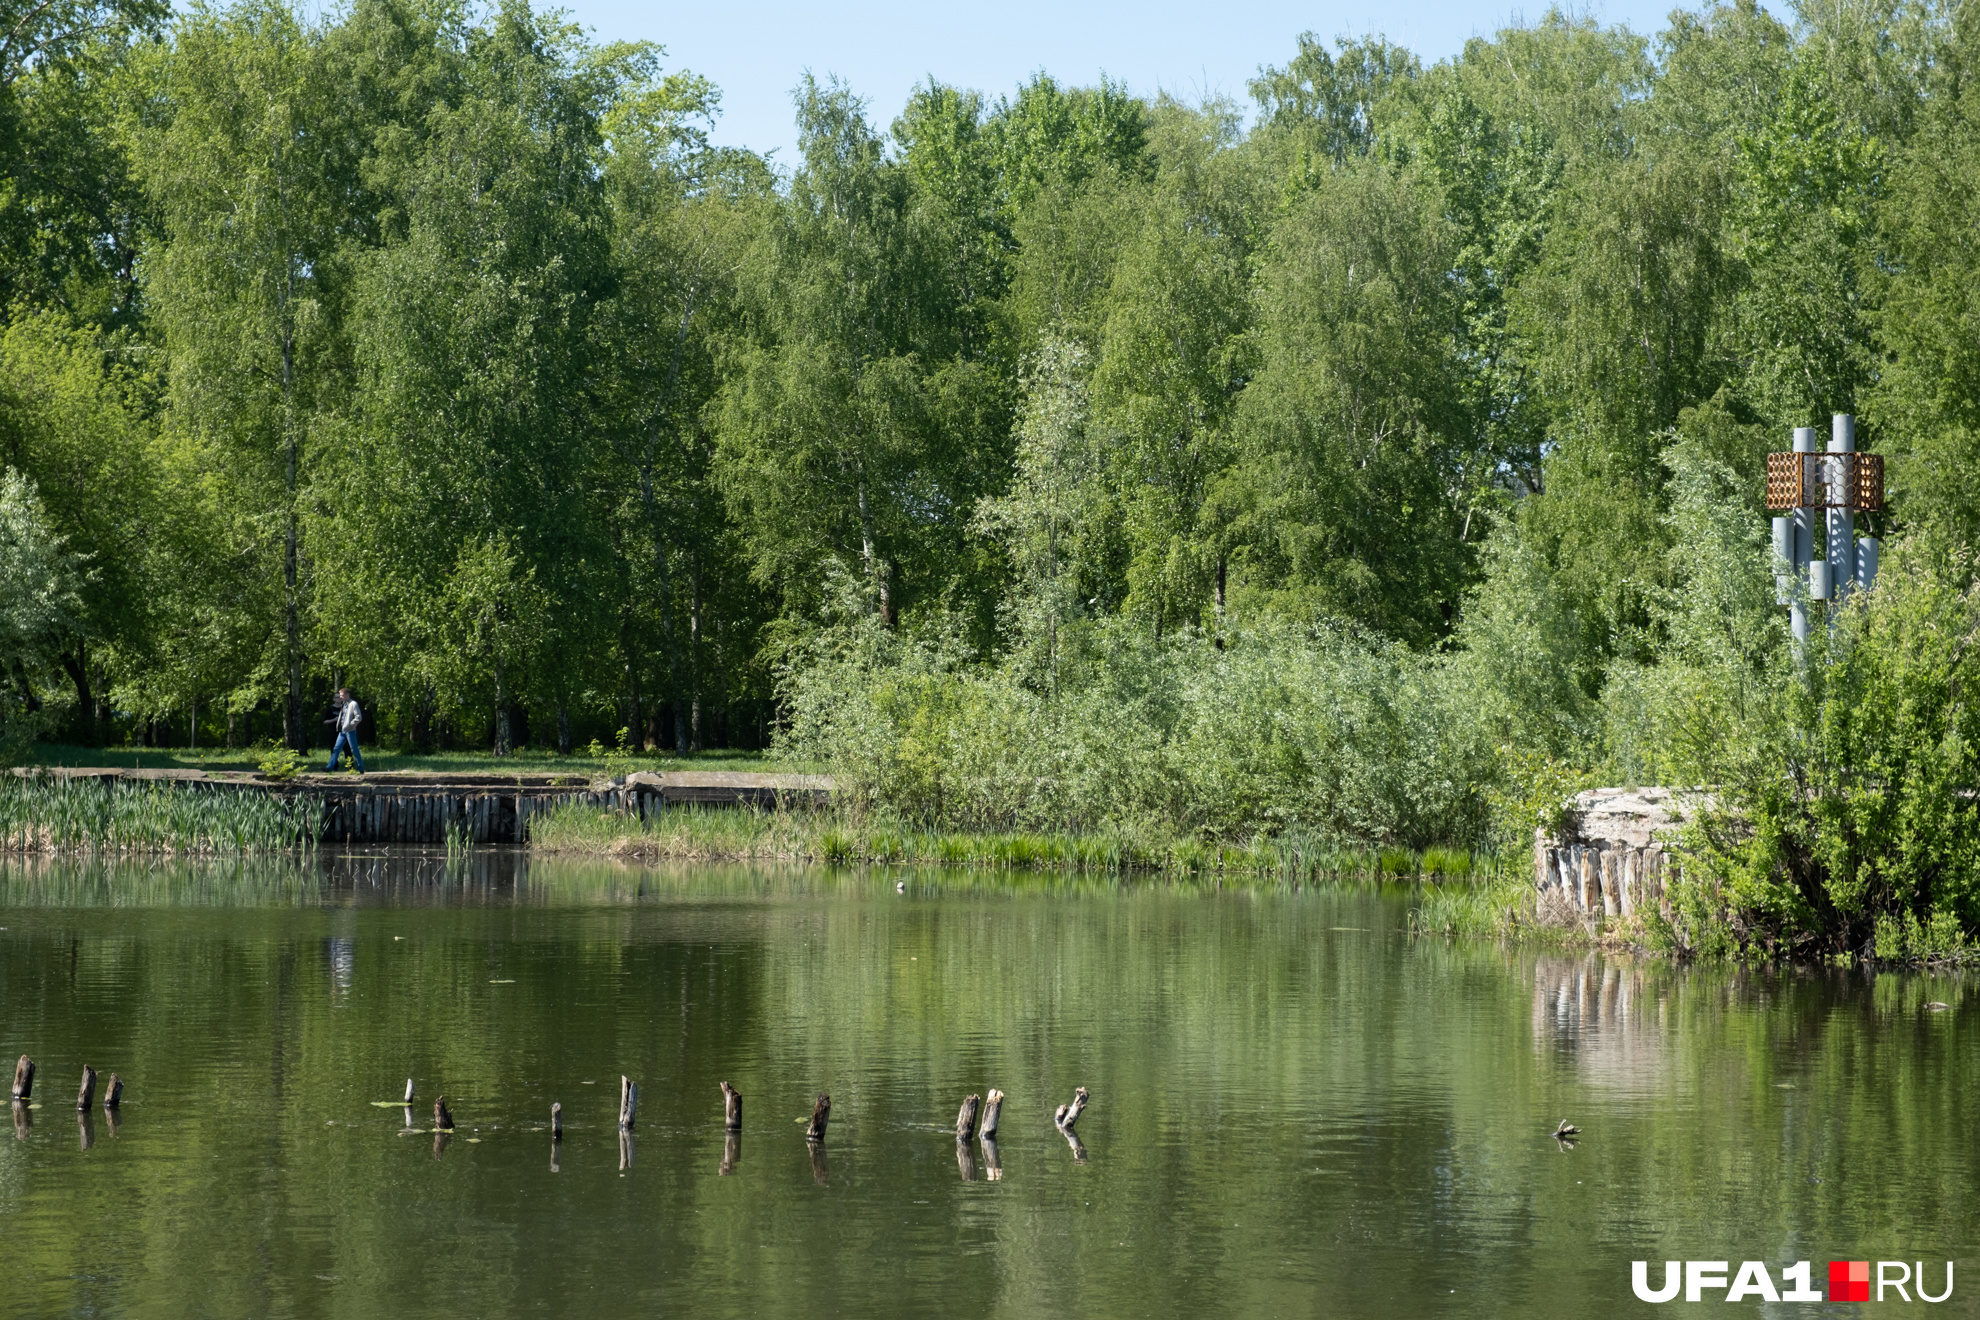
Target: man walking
(349, 716)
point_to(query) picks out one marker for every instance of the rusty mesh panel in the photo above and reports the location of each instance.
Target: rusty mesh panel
(1783, 481)
(1801, 481)
(1866, 485)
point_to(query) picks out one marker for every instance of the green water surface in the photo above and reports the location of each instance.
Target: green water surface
(1297, 1109)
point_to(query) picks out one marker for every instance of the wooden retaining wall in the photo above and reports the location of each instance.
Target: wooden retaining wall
(1614, 862)
(1580, 881)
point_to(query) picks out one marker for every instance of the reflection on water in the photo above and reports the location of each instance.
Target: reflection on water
(1295, 1109)
(1607, 1013)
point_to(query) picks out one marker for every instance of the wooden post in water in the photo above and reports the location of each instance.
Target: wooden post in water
(991, 1107)
(86, 1096)
(731, 1108)
(113, 1092)
(442, 1119)
(821, 1113)
(408, 1090)
(966, 1118)
(556, 1120)
(1067, 1115)
(24, 1078)
(628, 1103)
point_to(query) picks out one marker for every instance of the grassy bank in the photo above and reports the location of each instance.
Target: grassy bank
(47, 815)
(842, 838)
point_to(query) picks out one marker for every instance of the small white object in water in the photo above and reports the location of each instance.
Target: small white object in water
(900, 887)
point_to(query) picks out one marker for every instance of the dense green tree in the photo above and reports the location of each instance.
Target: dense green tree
(1349, 502)
(247, 188)
(457, 487)
(855, 432)
(70, 213)
(73, 422)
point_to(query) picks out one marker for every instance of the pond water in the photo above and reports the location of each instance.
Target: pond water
(1297, 1109)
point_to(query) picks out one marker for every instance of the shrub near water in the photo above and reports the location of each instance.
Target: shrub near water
(1277, 729)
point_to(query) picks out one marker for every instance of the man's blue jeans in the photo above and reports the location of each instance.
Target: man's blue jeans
(347, 739)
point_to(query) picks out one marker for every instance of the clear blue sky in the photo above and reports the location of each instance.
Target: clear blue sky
(756, 50)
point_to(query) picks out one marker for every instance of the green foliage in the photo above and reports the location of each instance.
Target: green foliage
(618, 758)
(1274, 728)
(280, 763)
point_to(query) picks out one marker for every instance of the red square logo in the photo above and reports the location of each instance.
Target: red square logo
(1849, 1280)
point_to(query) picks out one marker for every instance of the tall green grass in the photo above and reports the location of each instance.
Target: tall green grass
(841, 838)
(45, 813)
(1500, 904)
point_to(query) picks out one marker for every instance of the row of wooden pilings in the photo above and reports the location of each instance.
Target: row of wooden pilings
(474, 816)
(1579, 882)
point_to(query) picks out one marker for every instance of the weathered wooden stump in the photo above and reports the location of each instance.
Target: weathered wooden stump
(1078, 1146)
(993, 1167)
(556, 1120)
(628, 1103)
(731, 1108)
(731, 1154)
(408, 1090)
(965, 1160)
(86, 1094)
(24, 1079)
(821, 1113)
(113, 1092)
(992, 1106)
(966, 1118)
(443, 1119)
(1066, 1115)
